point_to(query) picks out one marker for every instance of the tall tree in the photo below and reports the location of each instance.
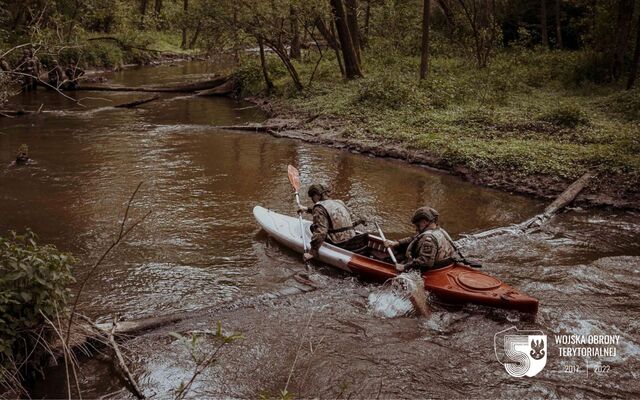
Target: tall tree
(185, 21)
(481, 16)
(367, 19)
(157, 9)
(351, 64)
(424, 54)
(623, 31)
(354, 30)
(636, 59)
(448, 15)
(543, 23)
(294, 50)
(143, 11)
(558, 26)
(263, 64)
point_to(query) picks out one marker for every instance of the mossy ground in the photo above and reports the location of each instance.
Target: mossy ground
(529, 112)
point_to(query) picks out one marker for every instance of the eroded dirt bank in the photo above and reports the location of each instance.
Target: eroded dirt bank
(617, 191)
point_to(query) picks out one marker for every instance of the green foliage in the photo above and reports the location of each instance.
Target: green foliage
(516, 115)
(249, 77)
(34, 282)
(565, 116)
(384, 91)
(624, 103)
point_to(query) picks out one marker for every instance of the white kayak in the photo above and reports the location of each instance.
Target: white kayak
(455, 283)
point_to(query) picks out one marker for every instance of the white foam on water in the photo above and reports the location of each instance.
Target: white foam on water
(387, 304)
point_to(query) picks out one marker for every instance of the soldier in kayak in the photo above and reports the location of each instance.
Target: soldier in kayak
(431, 248)
(331, 221)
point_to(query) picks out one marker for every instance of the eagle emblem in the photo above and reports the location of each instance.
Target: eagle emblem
(537, 349)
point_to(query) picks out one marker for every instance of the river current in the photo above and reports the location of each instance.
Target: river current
(200, 248)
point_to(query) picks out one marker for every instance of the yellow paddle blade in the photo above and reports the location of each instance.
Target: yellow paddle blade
(294, 177)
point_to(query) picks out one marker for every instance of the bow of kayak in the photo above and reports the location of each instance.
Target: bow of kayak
(455, 283)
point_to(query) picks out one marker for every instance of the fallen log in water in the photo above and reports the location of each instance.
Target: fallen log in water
(15, 113)
(225, 89)
(252, 127)
(85, 332)
(131, 104)
(136, 103)
(179, 88)
(565, 198)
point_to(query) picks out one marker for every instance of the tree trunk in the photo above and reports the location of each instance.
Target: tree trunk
(143, 11)
(327, 34)
(558, 26)
(354, 30)
(448, 14)
(424, 59)
(185, 8)
(281, 52)
(623, 31)
(337, 49)
(543, 23)
(367, 18)
(236, 49)
(263, 64)
(636, 59)
(158, 8)
(294, 50)
(351, 65)
(193, 40)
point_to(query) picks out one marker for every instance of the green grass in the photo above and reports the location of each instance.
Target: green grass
(529, 112)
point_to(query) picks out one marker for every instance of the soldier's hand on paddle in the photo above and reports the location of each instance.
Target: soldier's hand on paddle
(303, 209)
(307, 257)
(390, 244)
(400, 267)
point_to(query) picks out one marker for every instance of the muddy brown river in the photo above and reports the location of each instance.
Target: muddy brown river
(201, 251)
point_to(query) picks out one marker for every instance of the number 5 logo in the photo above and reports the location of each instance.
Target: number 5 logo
(522, 352)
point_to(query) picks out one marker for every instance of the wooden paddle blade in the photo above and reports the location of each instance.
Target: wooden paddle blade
(294, 177)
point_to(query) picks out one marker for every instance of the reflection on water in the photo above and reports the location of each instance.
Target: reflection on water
(201, 247)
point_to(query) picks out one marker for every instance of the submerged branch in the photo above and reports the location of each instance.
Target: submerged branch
(563, 200)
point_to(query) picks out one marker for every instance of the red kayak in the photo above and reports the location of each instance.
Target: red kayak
(455, 283)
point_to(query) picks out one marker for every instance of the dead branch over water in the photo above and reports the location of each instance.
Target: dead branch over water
(563, 200)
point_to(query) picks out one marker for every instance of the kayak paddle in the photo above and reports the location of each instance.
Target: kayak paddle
(294, 178)
(417, 294)
(393, 256)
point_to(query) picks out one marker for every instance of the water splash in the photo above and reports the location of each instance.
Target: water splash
(393, 299)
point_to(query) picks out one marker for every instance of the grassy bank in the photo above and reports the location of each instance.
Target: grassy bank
(530, 113)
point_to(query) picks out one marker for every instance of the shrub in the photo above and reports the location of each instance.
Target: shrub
(249, 77)
(565, 116)
(34, 282)
(385, 92)
(625, 103)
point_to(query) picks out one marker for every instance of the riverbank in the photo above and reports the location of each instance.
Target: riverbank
(512, 127)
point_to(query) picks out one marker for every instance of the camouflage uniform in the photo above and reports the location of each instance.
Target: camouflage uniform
(430, 249)
(331, 222)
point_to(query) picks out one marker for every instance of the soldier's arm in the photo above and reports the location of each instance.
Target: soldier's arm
(426, 254)
(321, 229)
(405, 241)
